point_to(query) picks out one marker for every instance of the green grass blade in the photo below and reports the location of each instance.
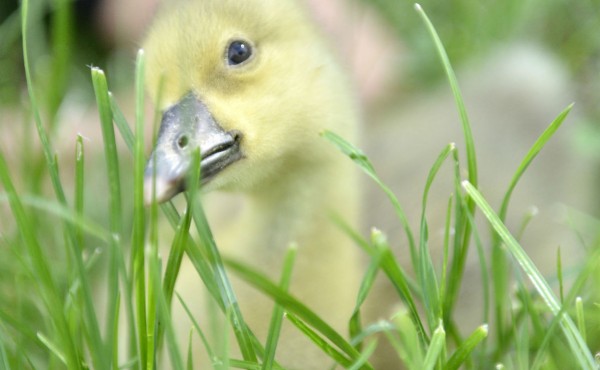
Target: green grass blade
(182, 236)
(190, 358)
(129, 139)
(464, 118)
(114, 197)
(327, 348)
(138, 259)
(52, 347)
(205, 342)
(164, 316)
(426, 271)
(204, 270)
(364, 356)
(110, 150)
(578, 347)
(79, 183)
(397, 277)
(355, 326)
(364, 164)
(62, 45)
(153, 291)
(110, 147)
(238, 364)
(463, 352)
(483, 266)
(278, 312)
(500, 267)
(121, 123)
(460, 258)
(3, 357)
(225, 289)
(115, 335)
(530, 156)
(446, 253)
(226, 293)
(390, 264)
(381, 326)
(176, 255)
(580, 317)
(559, 276)
(291, 305)
(373, 252)
(436, 347)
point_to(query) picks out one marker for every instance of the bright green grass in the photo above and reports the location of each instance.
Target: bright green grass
(49, 311)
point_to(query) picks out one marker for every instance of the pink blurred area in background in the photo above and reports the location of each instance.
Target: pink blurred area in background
(363, 42)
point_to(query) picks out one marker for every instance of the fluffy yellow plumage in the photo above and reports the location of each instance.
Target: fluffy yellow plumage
(265, 114)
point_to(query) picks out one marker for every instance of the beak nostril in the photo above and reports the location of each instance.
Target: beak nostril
(237, 135)
(183, 141)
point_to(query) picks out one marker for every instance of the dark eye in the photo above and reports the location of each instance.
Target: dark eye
(238, 52)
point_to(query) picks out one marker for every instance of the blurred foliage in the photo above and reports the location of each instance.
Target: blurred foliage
(469, 28)
(64, 43)
(10, 53)
(571, 29)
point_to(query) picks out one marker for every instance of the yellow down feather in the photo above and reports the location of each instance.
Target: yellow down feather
(290, 90)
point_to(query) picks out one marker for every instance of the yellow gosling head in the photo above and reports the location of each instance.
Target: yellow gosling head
(250, 83)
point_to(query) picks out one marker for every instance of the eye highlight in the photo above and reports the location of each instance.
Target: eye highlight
(238, 52)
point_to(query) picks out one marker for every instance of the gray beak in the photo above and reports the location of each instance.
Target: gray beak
(185, 127)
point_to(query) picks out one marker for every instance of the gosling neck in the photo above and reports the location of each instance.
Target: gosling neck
(296, 207)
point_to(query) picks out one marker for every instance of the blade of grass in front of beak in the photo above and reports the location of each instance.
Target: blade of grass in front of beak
(158, 306)
(176, 252)
(229, 300)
